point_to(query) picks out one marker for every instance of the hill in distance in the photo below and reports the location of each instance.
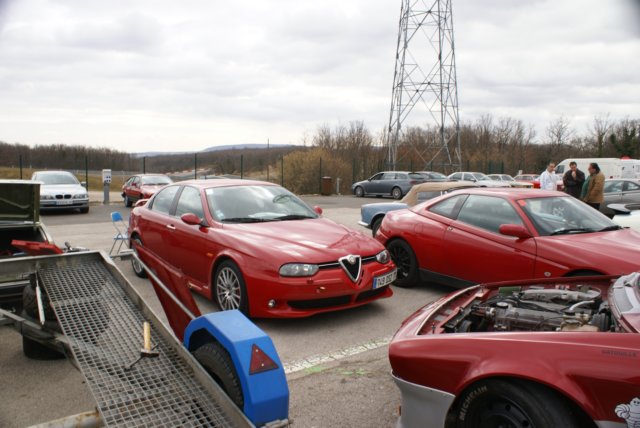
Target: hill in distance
(213, 149)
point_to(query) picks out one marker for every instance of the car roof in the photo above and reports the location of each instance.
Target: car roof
(515, 193)
(222, 182)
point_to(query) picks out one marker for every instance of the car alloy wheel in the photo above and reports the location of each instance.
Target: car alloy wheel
(229, 287)
(396, 192)
(359, 192)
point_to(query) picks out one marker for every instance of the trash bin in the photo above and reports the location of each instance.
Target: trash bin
(327, 184)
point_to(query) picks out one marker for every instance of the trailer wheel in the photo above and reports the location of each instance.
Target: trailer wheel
(217, 362)
(37, 351)
(30, 303)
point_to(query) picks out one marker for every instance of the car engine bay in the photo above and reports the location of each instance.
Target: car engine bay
(570, 307)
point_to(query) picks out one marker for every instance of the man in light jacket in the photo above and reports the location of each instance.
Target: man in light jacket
(548, 178)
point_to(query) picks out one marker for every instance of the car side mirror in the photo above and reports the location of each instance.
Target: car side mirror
(317, 209)
(516, 230)
(191, 219)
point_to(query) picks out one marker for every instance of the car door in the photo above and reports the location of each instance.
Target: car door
(631, 193)
(193, 245)
(476, 251)
(373, 183)
(134, 191)
(157, 224)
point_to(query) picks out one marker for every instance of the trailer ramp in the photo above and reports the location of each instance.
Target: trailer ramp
(102, 317)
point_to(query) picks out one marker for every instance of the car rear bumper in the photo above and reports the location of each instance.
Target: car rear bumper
(420, 404)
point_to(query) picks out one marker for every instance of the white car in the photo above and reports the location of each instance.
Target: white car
(61, 190)
(510, 180)
(626, 215)
(479, 178)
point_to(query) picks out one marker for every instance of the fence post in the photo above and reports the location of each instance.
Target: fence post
(144, 164)
(282, 171)
(86, 171)
(20, 163)
(320, 178)
(195, 166)
(241, 166)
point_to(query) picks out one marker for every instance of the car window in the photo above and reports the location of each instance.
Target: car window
(449, 207)
(416, 176)
(613, 186)
(425, 196)
(189, 202)
(479, 176)
(55, 178)
(164, 199)
(135, 180)
(456, 176)
(377, 177)
(389, 176)
(488, 212)
(632, 187)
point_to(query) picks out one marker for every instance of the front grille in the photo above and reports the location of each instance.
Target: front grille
(66, 196)
(333, 265)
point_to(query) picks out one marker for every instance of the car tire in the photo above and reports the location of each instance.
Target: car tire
(396, 193)
(375, 225)
(229, 288)
(405, 259)
(135, 265)
(127, 201)
(218, 364)
(510, 403)
(359, 192)
(35, 350)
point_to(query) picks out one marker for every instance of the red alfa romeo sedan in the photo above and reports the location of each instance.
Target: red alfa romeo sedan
(256, 247)
(487, 235)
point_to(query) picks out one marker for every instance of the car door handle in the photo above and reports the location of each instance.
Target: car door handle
(170, 226)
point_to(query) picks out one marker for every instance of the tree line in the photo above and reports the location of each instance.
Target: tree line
(352, 152)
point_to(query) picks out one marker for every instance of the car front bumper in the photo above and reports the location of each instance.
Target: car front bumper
(420, 404)
(63, 204)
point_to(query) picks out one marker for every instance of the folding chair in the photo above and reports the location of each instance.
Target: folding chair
(121, 237)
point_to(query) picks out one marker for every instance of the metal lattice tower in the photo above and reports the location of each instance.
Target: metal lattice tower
(424, 84)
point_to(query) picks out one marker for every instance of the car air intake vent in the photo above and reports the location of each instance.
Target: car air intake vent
(625, 293)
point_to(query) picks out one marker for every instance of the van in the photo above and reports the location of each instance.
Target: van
(610, 167)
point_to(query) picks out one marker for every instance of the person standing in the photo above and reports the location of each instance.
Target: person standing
(573, 180)
(593, 187)
(548, 178)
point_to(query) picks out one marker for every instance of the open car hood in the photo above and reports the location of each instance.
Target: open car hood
(19, 201)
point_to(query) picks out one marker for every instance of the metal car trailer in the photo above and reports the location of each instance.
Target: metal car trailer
(138, 371)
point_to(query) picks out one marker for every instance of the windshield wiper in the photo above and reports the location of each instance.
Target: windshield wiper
(293, 217)
(613, 227)
(245, 220)
(567, 231)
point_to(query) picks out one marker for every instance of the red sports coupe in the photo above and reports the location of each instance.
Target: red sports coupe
(256, 247)
(487, 235)
(561, 352)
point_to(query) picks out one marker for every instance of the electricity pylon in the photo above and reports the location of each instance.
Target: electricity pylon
(424, 84)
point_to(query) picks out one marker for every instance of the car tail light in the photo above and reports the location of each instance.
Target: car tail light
(260, 362)
(414, 182)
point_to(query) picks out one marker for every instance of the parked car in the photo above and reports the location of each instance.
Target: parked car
(256, 247)
(621, 191)
(487, 235)
(61, 190)
(477, 177)
(506, 178)
(371, 215)
(387, 183)
(433, 176)
(546, 353)
(143, 186)
(19, 221)
(626, 215)
(528, 178)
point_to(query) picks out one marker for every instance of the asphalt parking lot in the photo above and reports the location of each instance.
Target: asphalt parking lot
(336, 363)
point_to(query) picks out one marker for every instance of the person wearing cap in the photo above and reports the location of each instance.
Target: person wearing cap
(593, 187)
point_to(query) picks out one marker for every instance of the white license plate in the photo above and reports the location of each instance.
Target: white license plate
(64, 202)
(386, 279)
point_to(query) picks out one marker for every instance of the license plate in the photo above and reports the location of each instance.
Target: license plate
(386, 279)
(64, 202)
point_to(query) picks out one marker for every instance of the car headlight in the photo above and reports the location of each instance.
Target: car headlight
(46, 197)
(298, 269)
(81, 196)
(383, 257)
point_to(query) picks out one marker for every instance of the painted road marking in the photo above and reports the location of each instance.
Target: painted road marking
(316, 360)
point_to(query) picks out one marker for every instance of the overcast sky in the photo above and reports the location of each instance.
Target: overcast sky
(141, 75)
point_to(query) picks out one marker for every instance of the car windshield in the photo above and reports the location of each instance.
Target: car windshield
(253, 204)
(563, 215)
(151, 180)
(55, 178)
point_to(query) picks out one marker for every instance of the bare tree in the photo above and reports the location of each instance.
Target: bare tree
(600, 129)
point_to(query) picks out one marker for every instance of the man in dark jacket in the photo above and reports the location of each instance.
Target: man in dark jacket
(573, 180)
